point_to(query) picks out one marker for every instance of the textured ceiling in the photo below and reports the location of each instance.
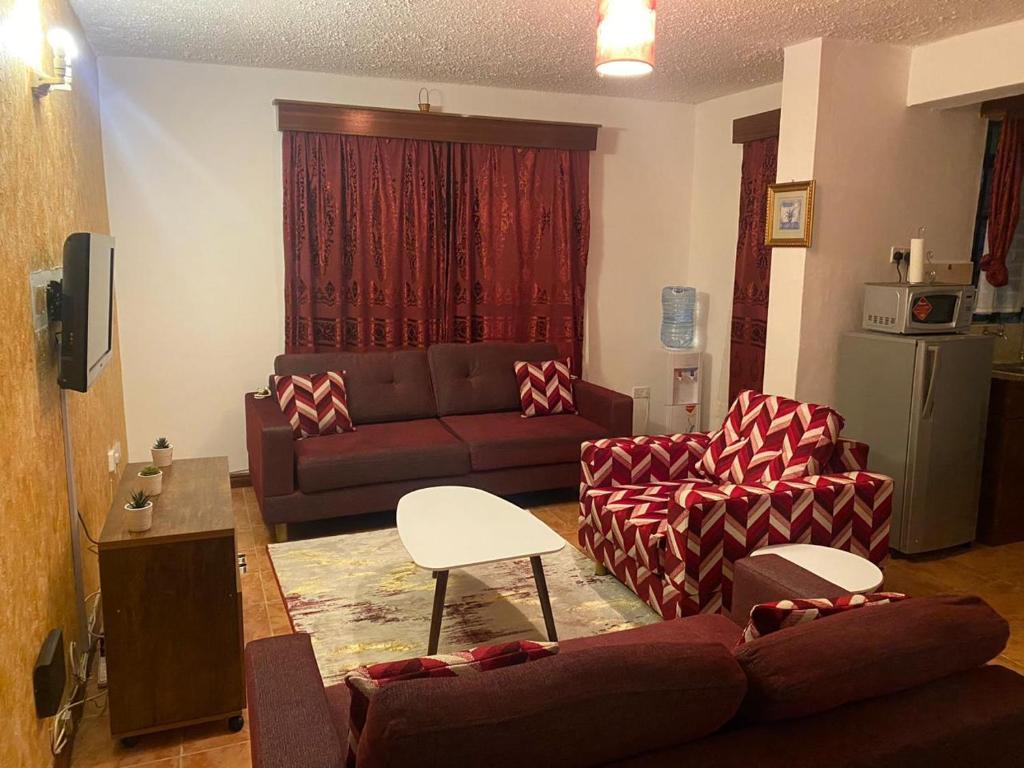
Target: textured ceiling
(705, 48)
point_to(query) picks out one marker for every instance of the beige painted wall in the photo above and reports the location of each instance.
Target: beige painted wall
(711, 264)
(966, 69)
(193, 163)
(882, 170)
(51, 184)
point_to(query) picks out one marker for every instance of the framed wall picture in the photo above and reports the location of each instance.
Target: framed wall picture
(790, 214)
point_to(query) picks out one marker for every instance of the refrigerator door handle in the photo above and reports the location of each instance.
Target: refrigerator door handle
(929, 398)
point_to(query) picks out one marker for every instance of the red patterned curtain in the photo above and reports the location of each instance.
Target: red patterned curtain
(753, 269)
(520, 235)
(1007, 175)
(396, 243)
(365, 242)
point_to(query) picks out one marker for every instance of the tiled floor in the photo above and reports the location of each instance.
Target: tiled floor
(995, 573)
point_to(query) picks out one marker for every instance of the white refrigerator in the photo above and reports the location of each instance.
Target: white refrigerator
(921, 405)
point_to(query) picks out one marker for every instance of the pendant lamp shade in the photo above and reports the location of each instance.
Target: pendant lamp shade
(625, 37)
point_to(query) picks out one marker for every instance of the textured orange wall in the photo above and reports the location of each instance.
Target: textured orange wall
(51, 184)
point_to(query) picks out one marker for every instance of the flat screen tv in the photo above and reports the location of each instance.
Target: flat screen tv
(87, 295)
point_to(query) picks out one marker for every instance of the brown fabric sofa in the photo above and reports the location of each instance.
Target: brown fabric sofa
(446, 415)
(904, 684)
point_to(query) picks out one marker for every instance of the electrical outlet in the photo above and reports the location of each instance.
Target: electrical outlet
(111, 461)
(117, 452)
(641, 393)
(899, 255)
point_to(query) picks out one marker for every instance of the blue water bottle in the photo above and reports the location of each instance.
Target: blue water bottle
(677, 307)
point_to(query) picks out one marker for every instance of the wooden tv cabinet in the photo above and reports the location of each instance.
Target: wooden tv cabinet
(172, 605)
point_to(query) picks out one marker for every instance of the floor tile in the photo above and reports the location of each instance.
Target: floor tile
(230, 756)
(199, 738)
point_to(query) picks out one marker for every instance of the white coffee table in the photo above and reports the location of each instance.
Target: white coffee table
(851, 572)
(452, 526)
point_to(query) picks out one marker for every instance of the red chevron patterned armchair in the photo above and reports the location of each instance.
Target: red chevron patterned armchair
(670, 514)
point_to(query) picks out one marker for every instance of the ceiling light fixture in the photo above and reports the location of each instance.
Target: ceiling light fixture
(625, 37)
(65, 49)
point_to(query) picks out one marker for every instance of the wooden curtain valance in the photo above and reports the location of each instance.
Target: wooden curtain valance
(755, 127)
(432, 126)
(999, 109)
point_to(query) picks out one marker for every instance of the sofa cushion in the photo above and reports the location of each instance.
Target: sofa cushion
(379, 453)
(592, 707)
(769, 617)
(499, 440)
(545, 387)
(364, 683)
(479, 378)
(382, 386)
(766, 437)
(857, 655)
(315, 404)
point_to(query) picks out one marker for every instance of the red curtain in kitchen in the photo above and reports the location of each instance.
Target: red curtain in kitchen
(753, 269)
(520, 238)
(366, 238)
(1007, 176)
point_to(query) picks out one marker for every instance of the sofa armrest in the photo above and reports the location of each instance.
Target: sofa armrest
(271, 447)
(710, 528)
(767, 578)
(639, 460)
(612, 410)
(848, 456)
(289, 716)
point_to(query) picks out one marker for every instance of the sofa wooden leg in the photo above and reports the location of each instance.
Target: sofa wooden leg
(280, 532)
(600, 570)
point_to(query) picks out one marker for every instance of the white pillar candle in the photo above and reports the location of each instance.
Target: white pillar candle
(915, 273)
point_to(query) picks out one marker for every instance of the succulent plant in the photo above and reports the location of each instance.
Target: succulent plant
(138, 500)
(149, 471)
(162, 442)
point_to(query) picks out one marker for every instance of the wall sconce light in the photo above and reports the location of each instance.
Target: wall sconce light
(65, 49)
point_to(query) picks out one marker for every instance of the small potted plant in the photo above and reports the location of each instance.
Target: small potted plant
(140, 512)
(151, 479)
(162, 452)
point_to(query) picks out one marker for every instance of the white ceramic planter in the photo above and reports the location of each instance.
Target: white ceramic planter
(140, 519)
(162, 456)
(151, 485)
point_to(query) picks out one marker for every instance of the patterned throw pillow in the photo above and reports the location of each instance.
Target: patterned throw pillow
(316, 404)
(766, 618)
(766, 437)
(545, 388)
(365, 682)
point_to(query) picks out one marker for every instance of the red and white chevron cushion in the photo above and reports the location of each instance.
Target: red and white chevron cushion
(766, 618)
(766, 437)
(316, 404)
(545, 388)
(365, 682)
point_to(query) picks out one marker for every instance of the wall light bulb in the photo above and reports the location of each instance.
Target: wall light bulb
(63, 43)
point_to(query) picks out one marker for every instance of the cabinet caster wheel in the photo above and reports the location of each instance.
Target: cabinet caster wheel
(236, 723)
(129, 742)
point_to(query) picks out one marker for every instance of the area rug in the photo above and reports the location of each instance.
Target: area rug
(362, 600)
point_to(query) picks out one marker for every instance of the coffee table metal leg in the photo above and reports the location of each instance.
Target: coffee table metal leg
(545, 601)
(440, 586)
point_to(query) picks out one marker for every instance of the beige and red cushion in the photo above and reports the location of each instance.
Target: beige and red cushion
(545, 388)
(766, 618)
(316, 404)
(365, 682)
(766, 437)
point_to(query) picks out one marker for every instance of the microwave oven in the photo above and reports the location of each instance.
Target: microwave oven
(913, 308)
